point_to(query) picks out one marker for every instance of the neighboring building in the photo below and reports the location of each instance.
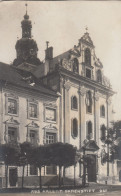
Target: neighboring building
(28, 110)
(32, 110)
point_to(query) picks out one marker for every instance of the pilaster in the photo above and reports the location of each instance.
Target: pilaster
(67, 127)
(82, 131)
(96, 116)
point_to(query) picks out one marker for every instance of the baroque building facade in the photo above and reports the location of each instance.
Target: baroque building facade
(66, 98)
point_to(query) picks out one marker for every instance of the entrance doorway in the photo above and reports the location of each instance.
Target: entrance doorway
(12, 176)
(91, 168)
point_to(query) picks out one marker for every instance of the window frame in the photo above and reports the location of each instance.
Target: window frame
(51, 134)
(102, 133)
(51, 173)
(51, 130)
(85, 56)
(17, 132)
(14, 98)
(32, 102)
(99, 76)
(86, 73)
(91, 102)
(76, 61)
(89, 135)
(72, 103)
(101, 111)
(30, 171)
(72, 128)
(33, 128)
(50, 107)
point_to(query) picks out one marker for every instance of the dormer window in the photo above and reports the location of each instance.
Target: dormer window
(87, 56)
(75, 65)
(99, 76)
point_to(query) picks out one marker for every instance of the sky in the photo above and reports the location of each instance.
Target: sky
(63, 23)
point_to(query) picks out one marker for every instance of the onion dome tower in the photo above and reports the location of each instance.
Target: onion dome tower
(26, 47)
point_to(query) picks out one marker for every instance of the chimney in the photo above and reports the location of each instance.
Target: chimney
(48, 52)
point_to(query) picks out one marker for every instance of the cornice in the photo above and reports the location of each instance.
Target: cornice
(27, 92)
(91, 83)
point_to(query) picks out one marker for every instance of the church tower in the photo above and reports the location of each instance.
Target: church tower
(26, 47)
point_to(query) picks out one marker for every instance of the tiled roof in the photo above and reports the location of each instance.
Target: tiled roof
(11, 75)
(56, 59)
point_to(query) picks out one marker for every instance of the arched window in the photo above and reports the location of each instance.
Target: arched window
(87, 56)
(102, 111)
(99, 76)
(103, 132)
(89, 102)
(74, 103)
(75, 65)
(89, 130)
(74, 128)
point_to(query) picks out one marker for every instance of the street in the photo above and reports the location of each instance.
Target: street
(69, 193)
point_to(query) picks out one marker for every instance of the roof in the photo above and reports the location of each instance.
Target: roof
(56, 59)
(90, 146)
(13, 76)
(86, 38)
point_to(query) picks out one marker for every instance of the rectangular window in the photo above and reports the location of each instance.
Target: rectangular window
(50, 138)
(33, 110)
(88, 73)
(51, 170)
(33, 170)
(33, 137)
(50, 114)
(12, 106)
(12, 134)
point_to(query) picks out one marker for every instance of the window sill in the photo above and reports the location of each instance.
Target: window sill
(90, 113)
(74, 137)
(32, 118)
(74, 109)
(10, 114)
(102, 116)
(50, 121)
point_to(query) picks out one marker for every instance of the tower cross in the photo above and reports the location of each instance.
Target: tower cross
(26, 7)
(86, 29)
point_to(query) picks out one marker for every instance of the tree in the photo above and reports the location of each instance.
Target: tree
(112, 136)
(24, 156)
(39, 158)
(62, 155)
(9, 153)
